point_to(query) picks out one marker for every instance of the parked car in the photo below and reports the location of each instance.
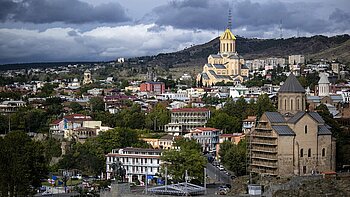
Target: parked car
(221, 168)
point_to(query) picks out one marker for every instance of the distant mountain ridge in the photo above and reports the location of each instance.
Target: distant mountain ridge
(335, 47)
(315, 47)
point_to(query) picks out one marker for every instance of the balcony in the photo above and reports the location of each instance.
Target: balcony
(271, 157)
(263, 134)
(264, 149)
(265, 164)
(264, 171)
(264, 142)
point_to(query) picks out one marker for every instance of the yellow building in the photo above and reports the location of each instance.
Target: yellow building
(226, 66)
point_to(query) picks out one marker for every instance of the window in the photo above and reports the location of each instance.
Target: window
(309, 152)
(304, 169)
(298, 107)
(323, 152)
(291, 104)
(301, 152)
(305, 129)
(285, 104)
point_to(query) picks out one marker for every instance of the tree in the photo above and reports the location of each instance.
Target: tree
(22, 164)
(264, 104)
(76, 107)
(188, 157)
(234, 156)
(97, 104)
(158, 117)
(221, 120)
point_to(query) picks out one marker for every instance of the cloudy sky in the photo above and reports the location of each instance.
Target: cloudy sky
(93, 30)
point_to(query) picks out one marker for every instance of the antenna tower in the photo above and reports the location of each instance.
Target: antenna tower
(229, 22)
(281, 33)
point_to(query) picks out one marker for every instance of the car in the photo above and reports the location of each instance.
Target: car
(224, 187)
(47, 193)
(221, 168)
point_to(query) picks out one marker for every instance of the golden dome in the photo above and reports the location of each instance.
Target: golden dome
(227, 35)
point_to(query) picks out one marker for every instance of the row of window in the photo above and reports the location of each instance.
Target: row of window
(133, 160)
(309, 152)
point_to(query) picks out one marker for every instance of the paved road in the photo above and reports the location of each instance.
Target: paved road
(215, 174)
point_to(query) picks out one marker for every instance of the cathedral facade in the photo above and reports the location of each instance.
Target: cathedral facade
(226, 66)
(291, 141)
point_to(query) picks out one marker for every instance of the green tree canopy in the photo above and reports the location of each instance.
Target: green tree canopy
(221, 120)
(22, 164)
(158, 117)
(234, 156)
(188, 157)
(264, 104)
(97, 104)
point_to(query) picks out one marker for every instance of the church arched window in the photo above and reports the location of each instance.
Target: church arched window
(323, 152)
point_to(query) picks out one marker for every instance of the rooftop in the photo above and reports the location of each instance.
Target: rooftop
(190, 110)
(291, 85)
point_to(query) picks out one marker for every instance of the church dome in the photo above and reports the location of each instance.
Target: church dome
(291, 85)
(227, 35)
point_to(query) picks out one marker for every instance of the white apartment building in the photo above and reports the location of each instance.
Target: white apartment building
(136, 161)
(185, 119)
(296, 59)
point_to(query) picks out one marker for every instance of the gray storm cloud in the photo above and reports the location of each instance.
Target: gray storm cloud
(207, 14)
(66, 11)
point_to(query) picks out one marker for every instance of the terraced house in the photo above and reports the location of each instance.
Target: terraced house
(291, 141)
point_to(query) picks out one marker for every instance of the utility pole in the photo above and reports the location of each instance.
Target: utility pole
(166, 177)
(9, 123)
(146, 180)
(205, 181)
(186, 178)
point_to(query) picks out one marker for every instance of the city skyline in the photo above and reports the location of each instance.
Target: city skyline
(88, 30)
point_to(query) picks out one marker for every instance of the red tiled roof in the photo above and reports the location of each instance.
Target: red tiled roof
(190, 110)
(250, 119)
(206, 129)
(56, 121)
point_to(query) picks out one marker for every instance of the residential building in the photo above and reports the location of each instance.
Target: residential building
(226, 66)
(296, 59)
(291, 141)
(207, 137)
(11, 106)
(184, 119)
(235, 138)
(154, 87)
(248, 124)
(136, 161)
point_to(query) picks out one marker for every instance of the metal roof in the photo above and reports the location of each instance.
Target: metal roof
(219, 66)
(205, 76)
(296, 117)
(283, 130)
(184, 189)
(275, 117)
(323, 130)
(323, 79)
(291, 85)
(215, 56)
(316, 117)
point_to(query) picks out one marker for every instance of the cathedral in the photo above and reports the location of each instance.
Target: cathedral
(226, 66)
(291, 141)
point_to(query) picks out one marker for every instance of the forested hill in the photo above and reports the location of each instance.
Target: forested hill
(315, 47)
(312, 47)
